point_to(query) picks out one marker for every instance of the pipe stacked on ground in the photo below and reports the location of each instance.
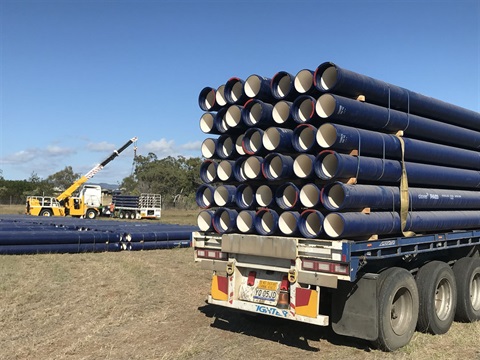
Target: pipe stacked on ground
(323, 154)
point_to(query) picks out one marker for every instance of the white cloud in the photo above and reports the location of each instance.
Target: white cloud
(161, 147)
(101, 146)
(195, 146)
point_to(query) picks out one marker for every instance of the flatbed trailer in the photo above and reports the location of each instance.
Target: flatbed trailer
(379, 290)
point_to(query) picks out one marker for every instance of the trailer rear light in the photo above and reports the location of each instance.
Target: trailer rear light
(251, 278)
(321, 266)
(211, 254)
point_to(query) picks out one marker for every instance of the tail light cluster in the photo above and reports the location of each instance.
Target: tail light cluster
(211, 254)
(324, 266)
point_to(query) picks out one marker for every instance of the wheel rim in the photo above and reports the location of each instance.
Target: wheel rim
(475, 291)
(401, 311)
(46, 213)
(443, 299)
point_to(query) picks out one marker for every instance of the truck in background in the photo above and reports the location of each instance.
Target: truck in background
(144, 206)
(378, 290)
(87, 204)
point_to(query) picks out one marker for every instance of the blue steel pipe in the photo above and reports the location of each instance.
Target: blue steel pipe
(208, 148)
(225, 170)
(208, 171)
(238, 169)
(282, 115)
(338, 196)
(224, 195)
(304, 139)
(252, 141)
(206, 99)
(205, 220)
(357, 224)
(257, 113)
(266, 222)
(282, 86)
(33, 237)
(310, 195)
(311, 223)
(303, 166)
(372, 143)
(303, 109)
(288, 222)
(245, 221)
(234, 91)
(276, 166)
(258, 87)
(157, 245)
(160, 235)
(224, 220)
(245, 196)
(220, 121)
(220, 96)
(330, 165)
(287, 196)
(233, 118)
(208, 125)
(278, 139)
(204, 196)
(356, 113)
(252, 168)
(225, 147)
(304, 83)
(57, 248)
(265, 195)
(332, 78)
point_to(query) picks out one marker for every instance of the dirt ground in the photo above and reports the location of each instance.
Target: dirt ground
(152, 305)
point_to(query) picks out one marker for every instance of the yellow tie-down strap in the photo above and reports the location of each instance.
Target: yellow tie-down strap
(404, 195)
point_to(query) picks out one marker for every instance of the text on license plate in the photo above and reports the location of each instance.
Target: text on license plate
(266, 290)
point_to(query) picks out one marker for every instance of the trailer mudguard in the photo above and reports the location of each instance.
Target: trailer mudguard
(354, 308)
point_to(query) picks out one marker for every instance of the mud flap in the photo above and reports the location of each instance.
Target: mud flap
(354, 308)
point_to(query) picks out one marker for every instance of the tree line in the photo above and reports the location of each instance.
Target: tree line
(175, 178)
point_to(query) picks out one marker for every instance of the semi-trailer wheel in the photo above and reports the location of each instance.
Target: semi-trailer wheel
(121, 215)
(91, 214)
(46, 212)
(467, 274)
(437, 292)
(397, 300)
(132, 215)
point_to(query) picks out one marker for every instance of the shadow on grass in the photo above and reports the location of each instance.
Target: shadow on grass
(286, 332)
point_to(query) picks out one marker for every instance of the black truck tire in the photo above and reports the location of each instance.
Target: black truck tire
(397, 305)
(437, 292)
(90, 214)
(46, 212)
(467, 274)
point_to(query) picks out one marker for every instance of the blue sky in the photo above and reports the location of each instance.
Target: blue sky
(80, 78)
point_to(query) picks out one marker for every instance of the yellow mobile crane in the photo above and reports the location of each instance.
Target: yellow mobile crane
(86, 204)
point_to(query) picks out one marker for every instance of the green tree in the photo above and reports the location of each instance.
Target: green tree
(62, 179)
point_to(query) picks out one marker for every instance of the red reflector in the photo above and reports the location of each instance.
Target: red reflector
(251, 278)
(284, 284)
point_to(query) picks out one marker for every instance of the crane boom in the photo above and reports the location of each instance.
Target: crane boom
(67, 193)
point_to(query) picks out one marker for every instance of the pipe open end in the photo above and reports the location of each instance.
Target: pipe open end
(252, 86)
(303, 81)
(313, 223)
(303, 166)
(220, 96)
(207, 123)
(325, 106)
(271, 139)
(328, 77)
(264, 195)
(335, 196)
(289, 196)
(206, 99)
(225, 147)
(253, 141)
(208, 148)
(310, 195)
(287, 223)
(254, 114)
(329, 166)
(224, 170)
(305, 110)
(252, 167)
(204, 220)
(245, 221)
(267, 222)
(209, 172)
(233, 116)
(246, 197)
(281, 112)
(275, 167)
(220, 196)
(306, 138)
(282, 84)
(238, 145)
(326, 136)
(223, 221)
(333, 225)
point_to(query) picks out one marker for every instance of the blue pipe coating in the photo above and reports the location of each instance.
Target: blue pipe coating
(206, 99)
(224, 220)
(224, 195)
(204, 196)
(57, 248)
(252, 142)
(266, 222)
(282, 86)
(208, 124)
(288, 223)
(234, 92)
(34, 237)
(238, 170)
(303, 109)
(278, 139)
(311, 223)
(245, 196)
(287, 196)
(208, 171)
(276, 166)
(304, 139)
(258, 87)
(356, 113)
(304, 83)
(225, 147)
(257, 113)
(332, 78)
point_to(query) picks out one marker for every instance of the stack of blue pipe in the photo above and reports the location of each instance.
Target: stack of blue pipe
(328, 152)
(34, 235)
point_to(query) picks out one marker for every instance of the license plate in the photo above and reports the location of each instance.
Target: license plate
(266, 291)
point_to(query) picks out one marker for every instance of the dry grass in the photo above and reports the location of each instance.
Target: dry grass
(151, 305)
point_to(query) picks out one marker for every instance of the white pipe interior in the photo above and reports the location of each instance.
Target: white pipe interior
(237, 91)
(287, 223)
(220, 96)
(329, 78)
(333, 225)
(233, 116)
(275, 167)
(224, 220)
(302, 166)
(255, 141)
(220, 196)
(309, 195)
(247, 195)
(207, 197)
(281, 112)
(209, 101)
(226, 147)
(336, 196)
(326, 136)
(303, 81)
(255, 113)
(252, 167)
(325, 105)
(329, 166)
(244, 221)
(289, 195)
(211, 172)
(267, 222)
(313, 224)
(238, 145)
(252, 86)
(305, 110)
(207, 122)
(271, 138)
(306, 138)
(224, 170)
(208, 148)
(284, 85)
(204, 220)
(263, 195)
